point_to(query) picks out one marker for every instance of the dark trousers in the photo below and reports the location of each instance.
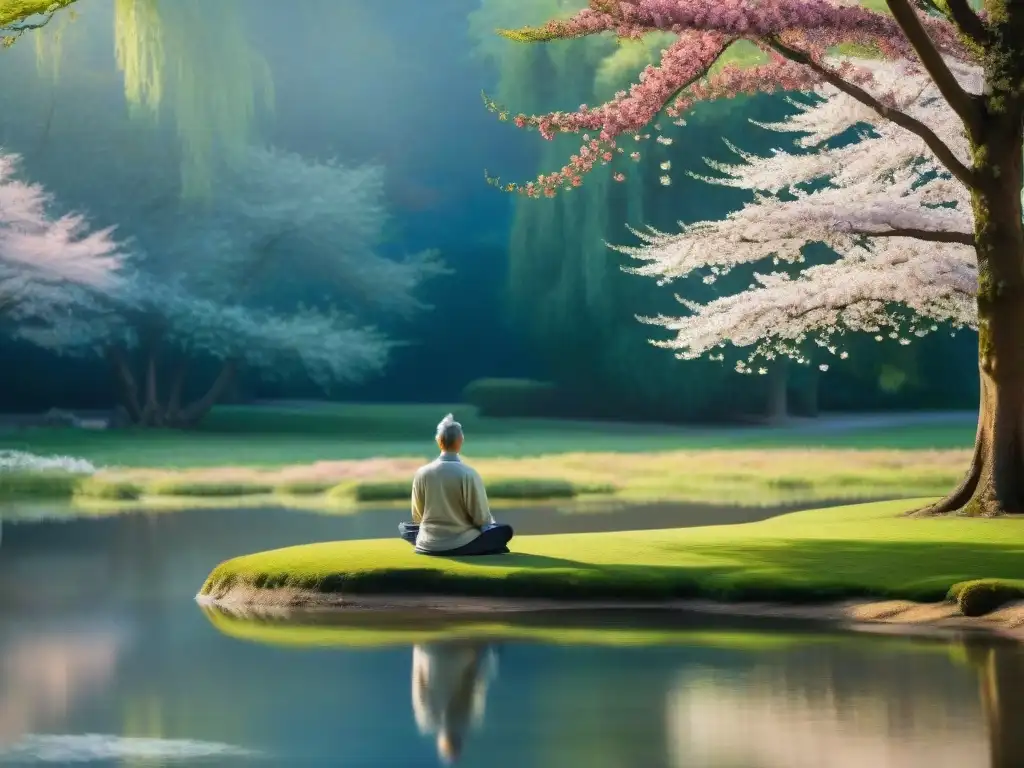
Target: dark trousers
(493, 540)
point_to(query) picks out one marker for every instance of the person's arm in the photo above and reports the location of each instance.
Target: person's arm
(417, 499)
(477, 506)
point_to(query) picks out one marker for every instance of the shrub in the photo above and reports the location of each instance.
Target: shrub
(108, 490)
(982, 596)
(389, 490)
(303, 487)
(37, 484)
(540, 488)
(508, 489)
(507, 398)
(195, 488)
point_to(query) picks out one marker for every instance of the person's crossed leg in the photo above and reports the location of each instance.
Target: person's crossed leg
(493, 540)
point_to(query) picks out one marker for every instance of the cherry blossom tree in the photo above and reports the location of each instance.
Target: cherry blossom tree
(886, 179)
(51, 267)
(800, 38)
(198, 299)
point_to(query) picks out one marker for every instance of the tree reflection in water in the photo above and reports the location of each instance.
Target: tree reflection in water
(820, 706)
(1001, 682)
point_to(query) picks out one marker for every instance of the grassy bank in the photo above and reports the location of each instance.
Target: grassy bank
(861, 551)
(343, 454)
(274, 437)
(725, 476)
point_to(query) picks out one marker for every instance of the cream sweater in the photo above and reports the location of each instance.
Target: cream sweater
(449, 502)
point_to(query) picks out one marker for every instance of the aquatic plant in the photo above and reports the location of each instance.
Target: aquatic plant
(799, 38)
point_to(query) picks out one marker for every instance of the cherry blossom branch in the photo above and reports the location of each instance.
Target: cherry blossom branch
(918, 234)
(902, 119)
(935, 66)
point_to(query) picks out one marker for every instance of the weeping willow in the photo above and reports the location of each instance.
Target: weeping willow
(566, 289)
(192, 58)
(50, 47)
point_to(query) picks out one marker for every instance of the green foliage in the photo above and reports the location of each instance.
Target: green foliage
(207, 489)
(37, 484)
(503, 398)
(303, 488)
(194, 58)
(982, 596)
(567, 290)
(103, 489)
(517, 489)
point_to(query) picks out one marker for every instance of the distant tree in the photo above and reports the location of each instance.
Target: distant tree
(799, 36)
(20, 16)
(54, 270)
(199, 290)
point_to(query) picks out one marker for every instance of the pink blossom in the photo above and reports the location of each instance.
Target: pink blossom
(705, 29)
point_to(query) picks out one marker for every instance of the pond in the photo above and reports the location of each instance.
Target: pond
(105, 659)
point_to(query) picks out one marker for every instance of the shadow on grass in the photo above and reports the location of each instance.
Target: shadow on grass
(518, 560)
(793, 571)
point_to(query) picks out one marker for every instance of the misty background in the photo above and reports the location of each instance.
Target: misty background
(124, 100)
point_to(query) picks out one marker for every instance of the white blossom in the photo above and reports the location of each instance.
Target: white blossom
(50, 266)
(871, 202)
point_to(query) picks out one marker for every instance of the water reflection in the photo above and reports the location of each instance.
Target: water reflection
(43, 674)
(812, 708)
(449, 691)
(104, 657)
(1000, 672)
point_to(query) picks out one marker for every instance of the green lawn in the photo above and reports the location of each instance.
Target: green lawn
(867, 550)
(274, 436)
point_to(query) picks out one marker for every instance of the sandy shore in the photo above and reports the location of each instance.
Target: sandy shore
(894, 616)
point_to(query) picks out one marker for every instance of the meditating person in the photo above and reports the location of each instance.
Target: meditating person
(449, 692)
(450, 513)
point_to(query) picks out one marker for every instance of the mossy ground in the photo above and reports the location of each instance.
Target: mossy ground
(860, 551)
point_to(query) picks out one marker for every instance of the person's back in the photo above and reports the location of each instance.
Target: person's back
(450, 512)
(449, 504)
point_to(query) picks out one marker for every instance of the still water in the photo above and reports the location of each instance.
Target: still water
(106, 660)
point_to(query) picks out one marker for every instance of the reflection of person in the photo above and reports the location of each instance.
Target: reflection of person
(449, 691)
(450, 513)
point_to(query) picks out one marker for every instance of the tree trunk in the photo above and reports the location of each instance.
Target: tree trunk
(126, 381)
(152, 412)
(778, 393)
(994, 484)
(195, 411)
(177, 386)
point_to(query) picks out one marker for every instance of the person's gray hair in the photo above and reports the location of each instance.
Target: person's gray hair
(449, 431)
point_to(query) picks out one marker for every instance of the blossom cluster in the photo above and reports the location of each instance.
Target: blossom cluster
(870, 201)
(706, 29)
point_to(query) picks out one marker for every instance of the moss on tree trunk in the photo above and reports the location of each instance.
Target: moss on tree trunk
(994, 484)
